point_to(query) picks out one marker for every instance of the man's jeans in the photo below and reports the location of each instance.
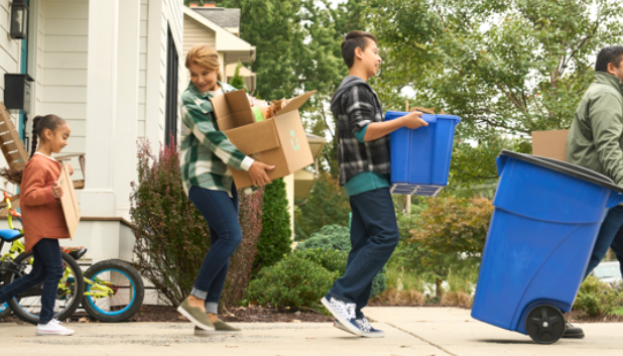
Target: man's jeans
(610, 234)
(221, 213)
(374, 236)
(47, 268)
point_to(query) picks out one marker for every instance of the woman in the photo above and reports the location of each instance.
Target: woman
(206, 159)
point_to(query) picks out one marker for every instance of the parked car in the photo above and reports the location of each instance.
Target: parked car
(608, 272)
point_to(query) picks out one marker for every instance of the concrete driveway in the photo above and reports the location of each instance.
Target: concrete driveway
(409, 331)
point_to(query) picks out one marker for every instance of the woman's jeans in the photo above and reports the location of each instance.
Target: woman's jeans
(221, 212)
(47, 268)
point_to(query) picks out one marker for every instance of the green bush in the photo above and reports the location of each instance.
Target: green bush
(327, 204)
(332, 260)
(293, 282)
(276, 237)
(597, 299)
(335, 237)
(330, 237)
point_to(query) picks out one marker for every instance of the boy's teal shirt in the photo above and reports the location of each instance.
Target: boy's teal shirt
(365, 181)
(206, 154)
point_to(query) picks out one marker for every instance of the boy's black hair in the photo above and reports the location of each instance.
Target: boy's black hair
(352, 41)
(611, 54)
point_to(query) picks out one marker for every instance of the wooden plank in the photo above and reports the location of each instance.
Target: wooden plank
(12, 146)
(69, 202)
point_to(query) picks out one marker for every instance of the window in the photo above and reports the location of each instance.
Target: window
(170, 130)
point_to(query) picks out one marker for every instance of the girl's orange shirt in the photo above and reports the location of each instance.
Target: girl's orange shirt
(42, 214)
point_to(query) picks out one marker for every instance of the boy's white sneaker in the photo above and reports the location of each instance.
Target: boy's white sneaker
(53, 328)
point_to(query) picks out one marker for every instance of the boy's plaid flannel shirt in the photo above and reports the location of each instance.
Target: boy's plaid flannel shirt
(206, 153)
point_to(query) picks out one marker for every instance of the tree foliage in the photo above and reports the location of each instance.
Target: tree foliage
(326, 205)
(506, 67)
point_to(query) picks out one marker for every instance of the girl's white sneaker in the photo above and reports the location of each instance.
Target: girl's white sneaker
(53, 328)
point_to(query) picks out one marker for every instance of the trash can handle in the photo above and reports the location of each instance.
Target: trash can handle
(615, 199)
(431, 119)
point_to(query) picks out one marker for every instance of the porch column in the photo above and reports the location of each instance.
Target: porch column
(127, 103)
(98, 198)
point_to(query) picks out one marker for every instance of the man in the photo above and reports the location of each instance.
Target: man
(595, 142)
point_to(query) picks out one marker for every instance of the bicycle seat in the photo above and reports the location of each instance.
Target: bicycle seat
(75, 252)
(9, 235)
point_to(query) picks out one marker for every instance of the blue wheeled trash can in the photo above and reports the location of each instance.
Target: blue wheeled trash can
(541, 236)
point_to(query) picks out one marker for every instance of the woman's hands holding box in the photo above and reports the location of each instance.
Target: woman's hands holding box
(258, 173)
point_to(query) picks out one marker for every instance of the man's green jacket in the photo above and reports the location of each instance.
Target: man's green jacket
(594, 139)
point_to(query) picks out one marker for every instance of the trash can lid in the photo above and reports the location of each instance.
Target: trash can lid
(566, 168)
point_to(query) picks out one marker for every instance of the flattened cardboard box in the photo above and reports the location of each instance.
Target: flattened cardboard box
(279, 141)
(550, 144)
(69, 203)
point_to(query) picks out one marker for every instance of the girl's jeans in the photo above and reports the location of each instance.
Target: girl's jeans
(47, 268)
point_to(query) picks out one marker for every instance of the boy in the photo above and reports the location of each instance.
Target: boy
(363, 154)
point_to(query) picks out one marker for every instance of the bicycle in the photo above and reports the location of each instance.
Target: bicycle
(109, 291)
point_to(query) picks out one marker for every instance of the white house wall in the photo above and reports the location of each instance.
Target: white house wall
(64, 74)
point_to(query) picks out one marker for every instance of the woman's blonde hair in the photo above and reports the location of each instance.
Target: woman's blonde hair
(204, 56)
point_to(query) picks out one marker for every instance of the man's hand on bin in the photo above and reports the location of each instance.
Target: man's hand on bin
(413, 120)
(258, 173)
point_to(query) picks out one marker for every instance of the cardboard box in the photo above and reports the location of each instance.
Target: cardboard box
(279, 141)
(69, 203)
(550, 144)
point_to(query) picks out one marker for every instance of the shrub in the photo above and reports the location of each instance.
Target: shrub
(327, 204)
(330, 237)
(596, 298)
(172, 237)
(276, 237)
(293, 282)
(335, 237)
(331, 260)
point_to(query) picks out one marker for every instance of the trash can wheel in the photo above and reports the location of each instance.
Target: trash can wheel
(545, 324)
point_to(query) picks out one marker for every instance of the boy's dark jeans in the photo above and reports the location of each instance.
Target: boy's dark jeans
(47, 268)
(221, 213)
(374, 236)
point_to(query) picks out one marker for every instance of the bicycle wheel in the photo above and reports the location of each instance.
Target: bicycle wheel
(5, 310)
(117, 291)
(27, 305)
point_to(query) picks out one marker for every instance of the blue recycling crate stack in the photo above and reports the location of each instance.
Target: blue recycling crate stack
(420, 158)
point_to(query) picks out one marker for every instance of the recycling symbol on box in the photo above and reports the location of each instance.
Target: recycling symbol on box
(294, 141)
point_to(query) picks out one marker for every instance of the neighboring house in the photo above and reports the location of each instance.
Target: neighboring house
(111, 69)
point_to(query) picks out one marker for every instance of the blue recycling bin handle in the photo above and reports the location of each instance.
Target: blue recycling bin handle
(616, 198)
(431, 119)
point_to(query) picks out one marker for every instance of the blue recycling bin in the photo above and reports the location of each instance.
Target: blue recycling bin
(420, 158)
(541, 235)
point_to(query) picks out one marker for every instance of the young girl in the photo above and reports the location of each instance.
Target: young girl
(207, 156)
(43, 219)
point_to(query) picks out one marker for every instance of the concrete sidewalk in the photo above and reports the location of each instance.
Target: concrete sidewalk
(409, 331)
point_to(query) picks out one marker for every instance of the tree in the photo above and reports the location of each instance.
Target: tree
(326, 205)
(237, 81)
(276, 237)
(506, 67)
